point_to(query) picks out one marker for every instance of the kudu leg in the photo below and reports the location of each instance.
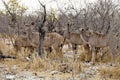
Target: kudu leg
(93, 55)
(69, 46)
(74, 47)
(112, 57)
(88, 54)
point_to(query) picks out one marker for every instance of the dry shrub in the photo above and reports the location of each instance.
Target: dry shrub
(110, 72)
(20, 65)
(118, 58)
(70, 64)
(2, 45)
(85, 56)
(38, 64)
(55, 56)
(82, 57)
(23, 53)
(68, 67)
(104, 55)
(76, 67)
(35, 65)
(11, 52)
(3, 35)
(54, 62)
(7, 51)
(43, 65)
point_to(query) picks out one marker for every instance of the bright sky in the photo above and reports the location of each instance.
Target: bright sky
(34, 4)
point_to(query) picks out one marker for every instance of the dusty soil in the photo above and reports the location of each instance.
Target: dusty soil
(101, 71)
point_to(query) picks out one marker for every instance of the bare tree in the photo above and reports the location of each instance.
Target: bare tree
(12, 13)
(103, 15)
(42, 31)
(13, 10)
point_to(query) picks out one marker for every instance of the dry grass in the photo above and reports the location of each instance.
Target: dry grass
(118, 58)
(84, 55)
(55, 61)
(102, 57)
(7, 50)
(110, 72)
(52, 63)
(54, 56)
(20, 65)
(2, 45)
(105, 57)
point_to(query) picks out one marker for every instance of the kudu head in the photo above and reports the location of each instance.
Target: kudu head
(85, 31)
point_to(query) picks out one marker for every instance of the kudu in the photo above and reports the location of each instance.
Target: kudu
(75, 40)
(23, 41)
(98, 40)
(52, 40)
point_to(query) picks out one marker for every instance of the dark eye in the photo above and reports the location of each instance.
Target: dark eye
(82, 29)
(117, 47)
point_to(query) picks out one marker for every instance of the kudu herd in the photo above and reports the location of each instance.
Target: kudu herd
(90, 40)
(52, 41)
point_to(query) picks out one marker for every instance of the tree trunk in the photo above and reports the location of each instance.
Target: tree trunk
(41, 44)
(68, 31)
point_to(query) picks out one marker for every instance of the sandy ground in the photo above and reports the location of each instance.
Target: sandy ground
(88, 72)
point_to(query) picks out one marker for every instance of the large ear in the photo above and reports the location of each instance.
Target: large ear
(81, 29)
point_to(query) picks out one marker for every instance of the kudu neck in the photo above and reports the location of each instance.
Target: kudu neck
(84, 36)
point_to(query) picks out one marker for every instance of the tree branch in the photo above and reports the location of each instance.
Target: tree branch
(44, 16)
(6, 6)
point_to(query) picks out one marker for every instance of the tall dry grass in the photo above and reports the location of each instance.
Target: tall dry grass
(110, 72)
(7, 50)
